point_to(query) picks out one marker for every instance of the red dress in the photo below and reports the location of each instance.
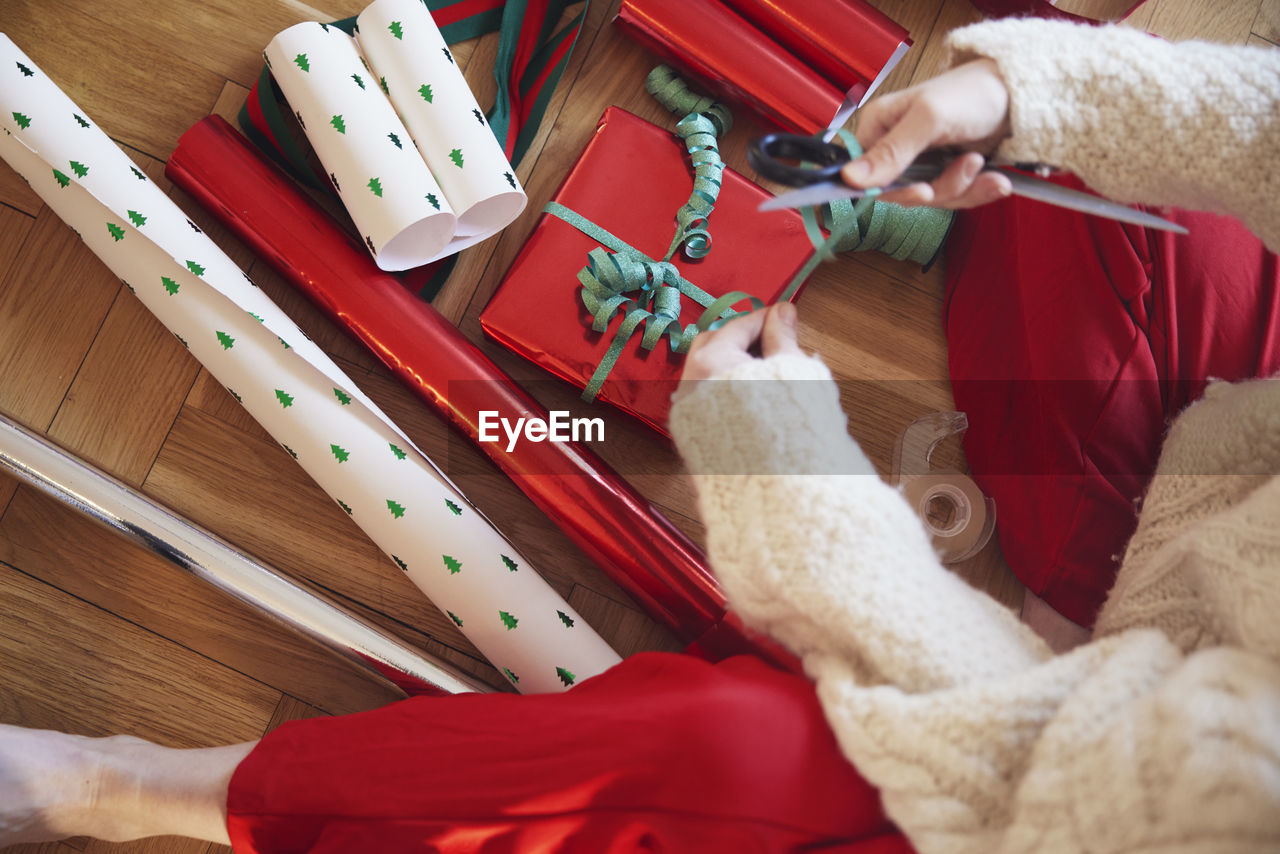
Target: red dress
(662, 753)
(1073, 342)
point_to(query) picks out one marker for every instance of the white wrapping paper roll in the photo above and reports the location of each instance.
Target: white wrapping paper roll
(395, 124)
(390, 193)
(396, 495)
(403, 45)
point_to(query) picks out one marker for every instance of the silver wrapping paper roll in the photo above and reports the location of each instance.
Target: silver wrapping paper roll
(216, 562)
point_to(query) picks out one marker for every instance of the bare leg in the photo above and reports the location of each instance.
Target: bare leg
(54, 785)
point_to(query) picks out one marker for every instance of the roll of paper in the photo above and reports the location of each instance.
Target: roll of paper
(352, 450)
(736, 60)
(399, 133)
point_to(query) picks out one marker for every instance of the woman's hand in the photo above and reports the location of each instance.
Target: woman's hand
(714, 354)
(967, 106)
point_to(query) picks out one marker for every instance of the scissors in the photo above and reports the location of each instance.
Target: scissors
(775, 154)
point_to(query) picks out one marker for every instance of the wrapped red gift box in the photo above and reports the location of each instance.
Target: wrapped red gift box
(630, 181)
(802, 66)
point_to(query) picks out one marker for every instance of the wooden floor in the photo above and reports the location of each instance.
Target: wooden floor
(98, 637)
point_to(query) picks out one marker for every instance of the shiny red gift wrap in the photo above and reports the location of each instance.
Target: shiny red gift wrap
(614, 525)
(849, 42)
(630, 180)
(708, 40)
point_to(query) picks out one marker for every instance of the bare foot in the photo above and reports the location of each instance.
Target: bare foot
(54, 785)
(49, 781)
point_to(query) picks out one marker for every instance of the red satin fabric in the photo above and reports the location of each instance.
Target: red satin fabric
(1073, 341)
(661, 753)
(846, 41)
(613, 524)
(733, 58)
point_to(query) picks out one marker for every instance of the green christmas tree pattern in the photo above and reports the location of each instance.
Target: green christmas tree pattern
(80, 120)
(397, 509)
(62, 179)
(565, 676)
(116, 231)
(456, 157)
(454, 566)
(301, 61)
(338, 124)
(510, 564)
(382, 82)
(400, 563)
(434, 202)
(339, 453)
(286, 399)
(137, 173)
(395, 140)
(508, 620)
(479, 116)
(566, 619)
(137, 219)
(169, 285)
(455, 618)
(510, 179)
(359, 80)
(195, 268)
(226, 340)
(447, 55)
(453, 508)
(343, 397)
(425, 91)
(24, 121)
(232, 392)
(396, 29)
(26, 72)
(341, 503)
(376, 186)
(79, 168)
(400, 455)
(515, 680)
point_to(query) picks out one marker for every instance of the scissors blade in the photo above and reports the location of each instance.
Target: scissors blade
(1064, 197)
(1023, 185)
(814, 194)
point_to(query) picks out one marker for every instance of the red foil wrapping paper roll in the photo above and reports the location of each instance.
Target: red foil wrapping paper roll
(613, 524)
(849, 42)
(706, 39)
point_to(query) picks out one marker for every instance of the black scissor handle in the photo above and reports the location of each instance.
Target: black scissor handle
(770, 155)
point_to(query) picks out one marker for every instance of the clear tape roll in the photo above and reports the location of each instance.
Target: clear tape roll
(958, 517)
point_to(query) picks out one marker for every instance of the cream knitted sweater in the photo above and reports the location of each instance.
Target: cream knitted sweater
(1163, 733)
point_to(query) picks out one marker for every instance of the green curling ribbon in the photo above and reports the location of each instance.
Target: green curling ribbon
(671, 92)
(609, 277)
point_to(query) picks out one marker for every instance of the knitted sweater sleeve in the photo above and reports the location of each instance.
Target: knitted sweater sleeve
(978, 740)
(812, 547)
(1190, 124)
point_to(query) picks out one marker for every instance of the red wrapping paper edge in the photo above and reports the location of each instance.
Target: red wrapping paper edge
(849, 42)
(628, 538)
(737, 61)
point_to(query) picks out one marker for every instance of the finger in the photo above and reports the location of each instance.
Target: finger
(988, 187)
(735, 336)
(875, 119)
(956, 179)
(892, 153)
(909, 196)
(779, 334)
